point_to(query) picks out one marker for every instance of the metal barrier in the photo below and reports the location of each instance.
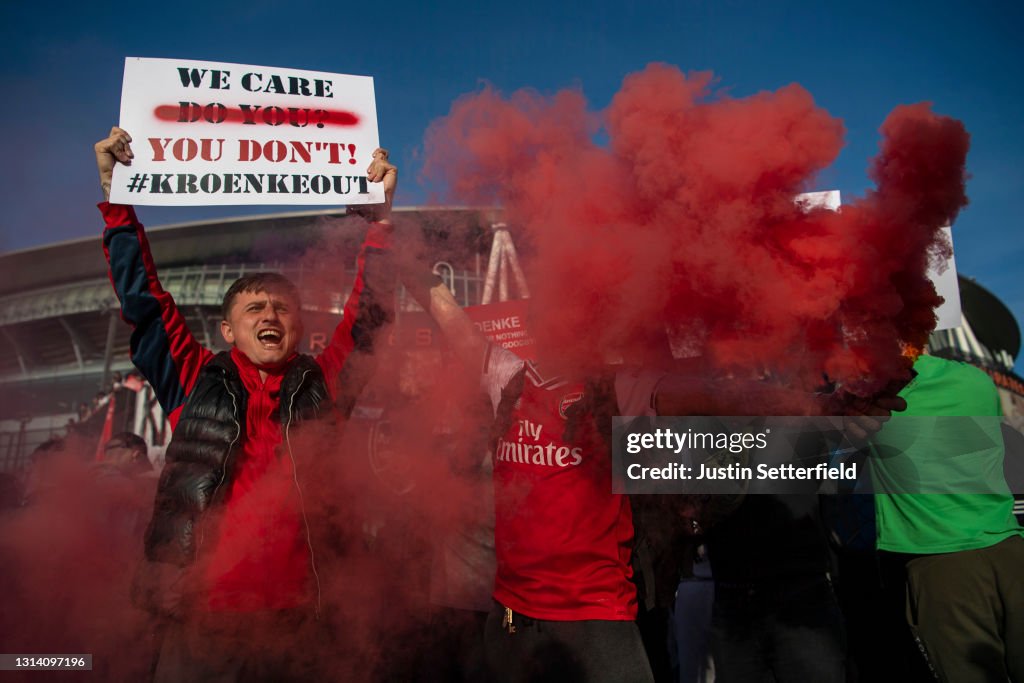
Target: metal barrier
(16, 447)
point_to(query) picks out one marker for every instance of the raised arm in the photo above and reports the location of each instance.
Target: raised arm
(467, 342)
(349, 359)
(162, 347)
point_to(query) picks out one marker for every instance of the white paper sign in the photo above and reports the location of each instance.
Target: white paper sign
(216, 133)
(946, 285)
(828, 199)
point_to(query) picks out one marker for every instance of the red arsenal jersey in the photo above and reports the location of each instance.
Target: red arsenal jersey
(563, 540)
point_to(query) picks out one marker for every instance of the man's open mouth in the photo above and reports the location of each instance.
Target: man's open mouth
(270, 337)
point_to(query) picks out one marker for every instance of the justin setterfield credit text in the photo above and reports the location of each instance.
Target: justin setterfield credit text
(821, 472)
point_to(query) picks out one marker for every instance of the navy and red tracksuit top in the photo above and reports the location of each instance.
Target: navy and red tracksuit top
(260, 560)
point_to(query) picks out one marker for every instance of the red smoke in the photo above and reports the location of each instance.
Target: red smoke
(685, 220)
(66, 560)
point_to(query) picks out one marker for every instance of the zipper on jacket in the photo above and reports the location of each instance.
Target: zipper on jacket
(298, 488)
(227, 461)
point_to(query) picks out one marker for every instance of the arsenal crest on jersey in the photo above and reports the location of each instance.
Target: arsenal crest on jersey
(568, 400)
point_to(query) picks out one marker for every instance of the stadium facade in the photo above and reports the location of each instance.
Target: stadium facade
(64, 348)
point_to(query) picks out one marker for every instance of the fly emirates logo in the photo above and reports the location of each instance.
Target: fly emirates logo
(530, 448)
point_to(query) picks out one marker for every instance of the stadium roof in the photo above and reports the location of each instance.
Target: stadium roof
(992, 322)
(176, 244)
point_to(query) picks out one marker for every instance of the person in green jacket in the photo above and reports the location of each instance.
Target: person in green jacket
(941, 499)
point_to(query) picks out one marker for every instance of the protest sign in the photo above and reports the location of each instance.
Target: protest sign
(504, 324)
(216, 133)
(943, 276)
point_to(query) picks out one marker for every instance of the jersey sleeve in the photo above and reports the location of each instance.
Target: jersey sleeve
(368, 308)
(162, 347)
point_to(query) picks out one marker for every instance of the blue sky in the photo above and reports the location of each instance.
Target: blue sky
(61, 71)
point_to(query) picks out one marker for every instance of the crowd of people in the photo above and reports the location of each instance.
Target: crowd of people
(107, 418)
(559, 578)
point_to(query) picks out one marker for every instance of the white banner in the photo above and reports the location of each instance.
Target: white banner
(216, 133)
(946, 284)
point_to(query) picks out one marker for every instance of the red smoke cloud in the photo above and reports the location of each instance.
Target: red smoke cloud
(66, 560)
(686, 220)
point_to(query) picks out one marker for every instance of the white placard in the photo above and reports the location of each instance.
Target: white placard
(827, 199)
(946, 285)
(217, 133)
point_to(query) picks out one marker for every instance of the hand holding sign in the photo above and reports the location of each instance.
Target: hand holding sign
(380, 171)
(116, 147)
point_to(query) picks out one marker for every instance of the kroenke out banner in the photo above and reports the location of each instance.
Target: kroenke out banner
(216, 133)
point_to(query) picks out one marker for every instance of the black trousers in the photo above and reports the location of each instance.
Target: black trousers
(787, 630)
(592, 651)
(967, 608)
(232, 647)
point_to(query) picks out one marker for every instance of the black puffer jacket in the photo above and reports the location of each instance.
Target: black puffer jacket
(201, 455)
